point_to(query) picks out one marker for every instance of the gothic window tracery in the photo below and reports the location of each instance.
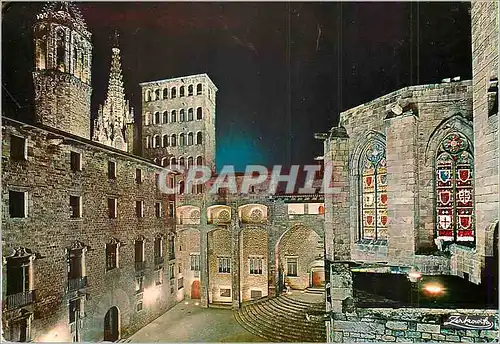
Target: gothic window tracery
(374, 192)
(454, 190)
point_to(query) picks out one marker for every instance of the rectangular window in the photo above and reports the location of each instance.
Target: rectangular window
(158, 209)
(18, 276)
(139, 208)
(111, 256)
(18, 204)
(255, 265)
(76, 310)
(171, 271)
(224, 265)
(180, 283)
(76, 161)
(138, 176)
(159, 276)
(138, 306)
(171, 247)
(75, 204)
(18, 148)
(255, 294)
(225, 292)
(195, 262)
(170, 209)
(112, 208)
(291, 266)
(111, 170)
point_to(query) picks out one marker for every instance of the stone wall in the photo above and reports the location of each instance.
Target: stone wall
(406, 325)
(253, 243)
(219, 245)
(485, 31)
(49, 231)
(189, 239)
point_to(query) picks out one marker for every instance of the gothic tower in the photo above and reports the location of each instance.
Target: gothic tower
(114, 123)
(63, 56)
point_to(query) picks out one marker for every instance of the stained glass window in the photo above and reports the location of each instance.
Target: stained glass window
(454, 190)
(374, 193)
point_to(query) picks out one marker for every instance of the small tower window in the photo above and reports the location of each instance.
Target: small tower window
(173, 140)
(181, 91)
(173, 162)
(173, 93)
(18, 148)
(139, 208)
(165, 93)
(18, 204)
(182, 140)
(157, 95)
(190, 139)
(112, 206)
(156, 141)
(199, 90)
(189, 162)
(61, 51)
(75, 203)
(165, 141)
(190, 90)
(190, 114)
(493, 97)
(148, 96)
(181, 161)
(199, 138)
(111, 255)
(76, 161)
(199, 113)
(156, 118)
(182, 115)
(165, 116)
(173, 116)
(199, 160)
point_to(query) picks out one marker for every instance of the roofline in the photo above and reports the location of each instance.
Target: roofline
(178, 78)
(408, 88)
(85, 141)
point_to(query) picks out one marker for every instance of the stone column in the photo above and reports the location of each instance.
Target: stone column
(340, 287)
(204, 257)
(235, 253)
(336, 177)
(402, 193)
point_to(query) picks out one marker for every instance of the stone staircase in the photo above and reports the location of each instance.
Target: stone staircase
(283, 319)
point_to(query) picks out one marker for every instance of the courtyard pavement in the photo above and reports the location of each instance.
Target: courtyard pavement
(191, 323)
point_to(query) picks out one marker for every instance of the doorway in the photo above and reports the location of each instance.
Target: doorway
(112, 325)
(195, 290)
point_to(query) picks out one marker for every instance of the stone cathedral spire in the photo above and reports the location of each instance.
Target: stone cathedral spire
(115, 115)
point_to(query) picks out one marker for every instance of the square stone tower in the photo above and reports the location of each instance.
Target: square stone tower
(178, 121)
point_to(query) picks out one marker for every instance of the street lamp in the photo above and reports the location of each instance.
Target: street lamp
(434, 290)
(414, 277)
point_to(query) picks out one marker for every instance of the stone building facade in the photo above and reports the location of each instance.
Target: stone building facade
(178, 125)
(418, 193)
(88, 238)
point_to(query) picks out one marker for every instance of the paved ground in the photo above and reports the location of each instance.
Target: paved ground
(307, 297)
(190, 323)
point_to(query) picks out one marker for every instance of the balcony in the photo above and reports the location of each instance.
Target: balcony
(20, 299)
(159, 260)
(77, 283)
(140, 266)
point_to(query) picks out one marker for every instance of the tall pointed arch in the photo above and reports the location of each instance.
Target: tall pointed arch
(454, 167)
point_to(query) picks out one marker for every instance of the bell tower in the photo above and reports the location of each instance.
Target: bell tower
(62, 74)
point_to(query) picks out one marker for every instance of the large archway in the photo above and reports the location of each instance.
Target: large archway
(112, 324)
(296, 251)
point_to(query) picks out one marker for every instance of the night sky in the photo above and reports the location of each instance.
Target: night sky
(284, 70)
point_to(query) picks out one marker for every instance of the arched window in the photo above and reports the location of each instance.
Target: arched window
(454, 190)
(182, 140)
(148, 95)
(199, 113)
(165, 93)
(173, 162)
(164, 161)
(165, 141)
(190, 139)
(157, 94)
(181, 187)
(146, 118)
(165, 116)
(156, 141)
(156, 118)
(182, 115)
(173, 140)
(190, 90)
(173, 92)
(148, 141)
(173, 116)
(199, 160)
(199, 138)
(190, 114)
(189, 161)
(181, 161)
(61, 51)
(199, 90)
(374, 192)
(181, 91)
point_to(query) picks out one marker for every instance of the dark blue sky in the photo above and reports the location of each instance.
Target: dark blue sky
(284, 70)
